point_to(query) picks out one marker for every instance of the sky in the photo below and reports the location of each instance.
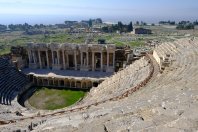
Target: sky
(57, 11)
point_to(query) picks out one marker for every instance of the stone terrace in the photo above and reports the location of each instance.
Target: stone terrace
(120, 82)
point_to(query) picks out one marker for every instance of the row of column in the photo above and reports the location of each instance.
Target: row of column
(87, 60)
(58, 83)
(32, 58)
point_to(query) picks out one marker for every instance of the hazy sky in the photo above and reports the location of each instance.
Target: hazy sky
(50, 11)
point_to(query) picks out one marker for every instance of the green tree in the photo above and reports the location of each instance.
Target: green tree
(120, 26)
(3, 27)
(137, 23)
(105, 29)
(90, 23)
(130, 27)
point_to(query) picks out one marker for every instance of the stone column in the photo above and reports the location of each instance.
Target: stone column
(113, 60)
(65, 83)
(42, 81)
(34, 57)
(29, 57)
(37, 81)
(93, 64)
(81, 59)
(107, 60)
(67, 60)
(47, 59)
(34, 80)
(81, 84)
(87, 59)
(48, 81)
(70, 83)
(63, 52)
(101, 62)
(52, 57)
(58, 83)
(58, 57)
(53, 82)
(75, 62)
(40, 63)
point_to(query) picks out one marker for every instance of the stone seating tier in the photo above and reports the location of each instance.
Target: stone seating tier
(119, 82)
(168, 102)
(11, 82)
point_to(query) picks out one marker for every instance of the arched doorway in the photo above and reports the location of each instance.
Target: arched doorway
(84, 85)
(98, 61)
(95, 84)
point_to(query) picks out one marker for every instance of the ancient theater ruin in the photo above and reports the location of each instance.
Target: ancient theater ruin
(156, 92)
(70, 65)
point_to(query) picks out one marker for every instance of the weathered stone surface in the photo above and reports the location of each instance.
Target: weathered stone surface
(168, 103)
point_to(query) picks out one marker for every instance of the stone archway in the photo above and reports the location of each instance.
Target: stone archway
(98, 61)
(67, 83)
(51, 82)
(39, 82)
(84, 84)
(89, 84)
(35, 80)
(45, 82)
(62, 83)
(78, 84)
(56, 83)
(73, 83)
(95, 84)
(71, 61)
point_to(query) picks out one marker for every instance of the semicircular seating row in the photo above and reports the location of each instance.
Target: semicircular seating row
(136, 72)
(120, 82)
(11, 82)
(176, 87)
